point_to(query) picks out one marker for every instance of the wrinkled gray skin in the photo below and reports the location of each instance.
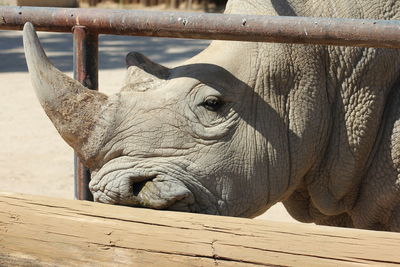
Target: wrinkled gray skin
(242, 126)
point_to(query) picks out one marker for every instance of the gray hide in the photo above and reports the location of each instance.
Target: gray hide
(242, 125)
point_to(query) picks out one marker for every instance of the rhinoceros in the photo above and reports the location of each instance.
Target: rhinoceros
(242, 125)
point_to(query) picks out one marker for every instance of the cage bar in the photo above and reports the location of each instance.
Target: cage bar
(253, 28)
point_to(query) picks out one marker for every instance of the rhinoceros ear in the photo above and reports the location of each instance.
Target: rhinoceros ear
(143, 74)
(77, 112)
(139, 60)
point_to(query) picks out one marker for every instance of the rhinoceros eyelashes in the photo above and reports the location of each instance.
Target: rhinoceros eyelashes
(213, 103)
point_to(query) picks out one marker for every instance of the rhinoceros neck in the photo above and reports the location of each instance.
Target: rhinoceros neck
(331, 150)
(331, 132)
(359, 82)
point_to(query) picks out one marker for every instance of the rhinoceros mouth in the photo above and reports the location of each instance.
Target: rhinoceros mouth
(156, 191)
(137, 187)
(160, 192)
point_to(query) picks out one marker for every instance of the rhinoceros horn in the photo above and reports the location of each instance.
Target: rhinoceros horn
(77, 112)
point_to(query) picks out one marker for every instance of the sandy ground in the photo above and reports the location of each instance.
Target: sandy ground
(33, 158)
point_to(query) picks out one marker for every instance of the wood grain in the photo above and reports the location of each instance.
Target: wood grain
(42, 231)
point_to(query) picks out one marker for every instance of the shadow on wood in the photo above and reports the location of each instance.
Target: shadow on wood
(49, 3)
(41, 231)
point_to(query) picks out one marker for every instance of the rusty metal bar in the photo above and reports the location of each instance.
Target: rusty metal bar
(86, 72)
(352, 32)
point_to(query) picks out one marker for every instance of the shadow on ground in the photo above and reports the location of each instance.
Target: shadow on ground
(113, 49)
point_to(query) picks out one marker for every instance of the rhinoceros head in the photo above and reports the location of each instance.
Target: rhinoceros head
(188, 138)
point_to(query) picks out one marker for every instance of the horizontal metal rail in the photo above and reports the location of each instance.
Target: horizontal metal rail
(326, 31)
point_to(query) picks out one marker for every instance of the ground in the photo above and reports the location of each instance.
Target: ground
(33, 157)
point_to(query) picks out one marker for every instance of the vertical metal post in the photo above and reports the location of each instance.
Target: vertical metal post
(189, 4)
(86, 72)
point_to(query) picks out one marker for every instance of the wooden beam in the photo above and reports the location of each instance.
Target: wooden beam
(41, 231)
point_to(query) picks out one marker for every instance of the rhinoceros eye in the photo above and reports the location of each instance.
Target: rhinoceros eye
(213, 103)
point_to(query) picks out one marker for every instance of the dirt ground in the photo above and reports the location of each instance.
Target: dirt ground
(33, 158)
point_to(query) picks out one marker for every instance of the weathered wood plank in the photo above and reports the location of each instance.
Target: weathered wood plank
(41, 231)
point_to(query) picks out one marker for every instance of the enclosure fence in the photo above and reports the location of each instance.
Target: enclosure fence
(87, 24)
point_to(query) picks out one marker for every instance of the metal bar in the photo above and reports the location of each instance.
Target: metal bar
(327, 31)
(86, 72)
